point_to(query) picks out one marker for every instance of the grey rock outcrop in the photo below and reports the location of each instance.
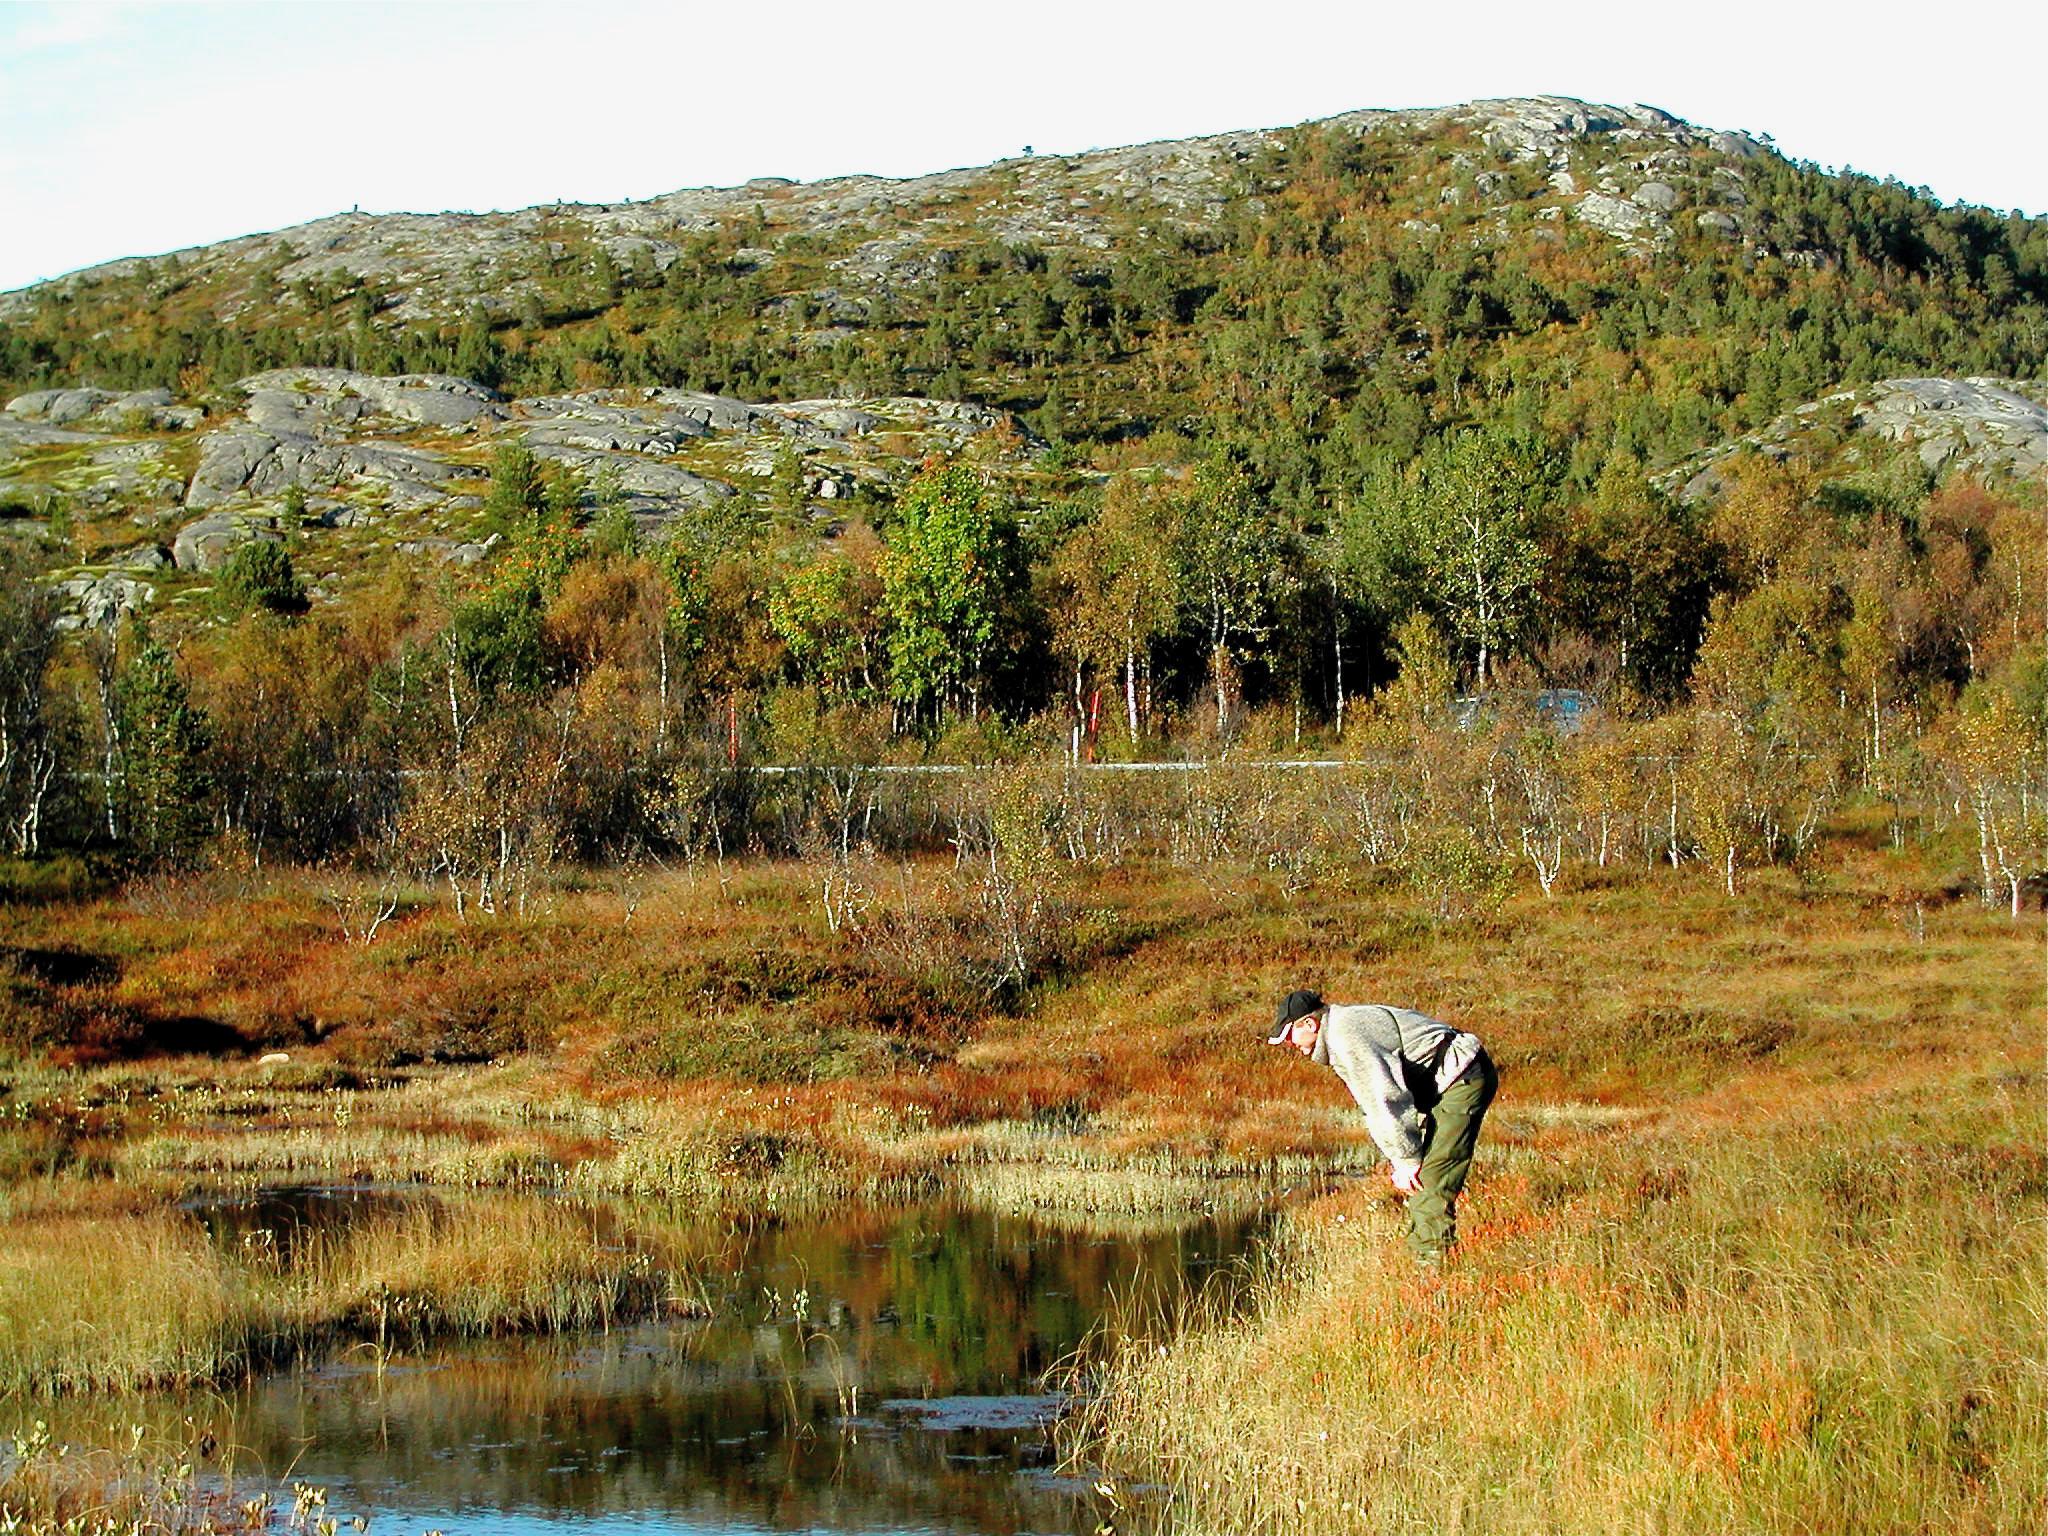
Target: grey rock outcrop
(58, 407)
(462, 552)
(308, 398)
(670, 416)
(841, 418)
(1974, 425)
(295, 431)
(651, 489)
(149, 409)
(601, 424)
(18, 434)
(129, 473)
(245, 460)
(142, 557)
(100, 602)
(205, 545)
(1542, 127)
(1619, 216)
(1971, 424)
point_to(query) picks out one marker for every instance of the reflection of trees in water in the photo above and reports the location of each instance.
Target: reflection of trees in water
(739, 1414)
(642, 1429)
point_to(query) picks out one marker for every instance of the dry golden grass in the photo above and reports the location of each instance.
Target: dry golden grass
(700, 1045)
(131, 1300)
(1816, 1316)
(482, 1267)
(88, 1302)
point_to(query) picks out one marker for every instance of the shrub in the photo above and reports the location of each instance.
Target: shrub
(258, 575)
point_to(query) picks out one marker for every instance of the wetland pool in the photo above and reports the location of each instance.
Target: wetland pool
(877, 1370)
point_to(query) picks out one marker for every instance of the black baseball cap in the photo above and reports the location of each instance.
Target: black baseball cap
(1295, 1005)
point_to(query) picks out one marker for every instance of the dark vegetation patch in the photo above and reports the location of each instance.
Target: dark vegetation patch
(61, 877)
(464, 1030)
(1703, 1031)
(59, 967)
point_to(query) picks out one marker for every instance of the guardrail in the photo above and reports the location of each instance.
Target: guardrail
(940, 768)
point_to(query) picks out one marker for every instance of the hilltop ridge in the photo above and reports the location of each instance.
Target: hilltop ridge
(445, 259)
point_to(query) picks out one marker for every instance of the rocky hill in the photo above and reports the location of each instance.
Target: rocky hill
(356, 469)
(1630, 172)
(1994, 428)
(1315, 301)
(1412, 265)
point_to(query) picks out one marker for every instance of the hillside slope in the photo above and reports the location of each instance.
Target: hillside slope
(1612, 277)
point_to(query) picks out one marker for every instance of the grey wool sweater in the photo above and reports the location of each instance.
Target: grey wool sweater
(1365, 1044)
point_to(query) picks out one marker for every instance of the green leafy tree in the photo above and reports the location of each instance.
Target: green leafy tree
(1458, 533)
(828, 615)
(1121, 587)
(943, 574)
(500, 640)
(1231, 555)
(1641, 574)
(1420, 695)
(1479, 520)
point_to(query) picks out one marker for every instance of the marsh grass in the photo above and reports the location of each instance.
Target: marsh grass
(1806, 1322)
(118, 1301)
(149, 1299)
(131, 1479)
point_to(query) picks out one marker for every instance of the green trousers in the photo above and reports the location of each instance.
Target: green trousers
(1447, 1159)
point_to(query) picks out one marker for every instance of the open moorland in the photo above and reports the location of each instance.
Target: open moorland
(1754, 1242)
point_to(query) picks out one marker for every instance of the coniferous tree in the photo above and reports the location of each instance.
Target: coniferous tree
(163, 758)
(518, 498)
(258, 574)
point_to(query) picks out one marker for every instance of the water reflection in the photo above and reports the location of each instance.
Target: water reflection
(880, 1371)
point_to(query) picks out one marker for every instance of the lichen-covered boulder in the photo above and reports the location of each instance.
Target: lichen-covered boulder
(206, 544)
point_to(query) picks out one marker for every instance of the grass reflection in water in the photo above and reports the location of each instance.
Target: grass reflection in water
(875, 1370)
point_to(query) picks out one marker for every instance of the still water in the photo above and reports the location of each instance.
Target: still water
(882, 1370)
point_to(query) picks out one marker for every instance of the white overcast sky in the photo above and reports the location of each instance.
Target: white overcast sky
(132, 129)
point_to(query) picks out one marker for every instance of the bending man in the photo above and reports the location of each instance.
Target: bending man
(1424, 1088)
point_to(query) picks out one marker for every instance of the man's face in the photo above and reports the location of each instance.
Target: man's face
(1303, 1032)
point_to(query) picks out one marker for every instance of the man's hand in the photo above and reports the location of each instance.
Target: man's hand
(1407, 1177)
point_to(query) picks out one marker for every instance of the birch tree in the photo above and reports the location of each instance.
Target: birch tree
(1121, 588)
(1230, 554)
(1476, 522)
(943, 576)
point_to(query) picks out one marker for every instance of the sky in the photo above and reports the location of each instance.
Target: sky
(134, 129)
